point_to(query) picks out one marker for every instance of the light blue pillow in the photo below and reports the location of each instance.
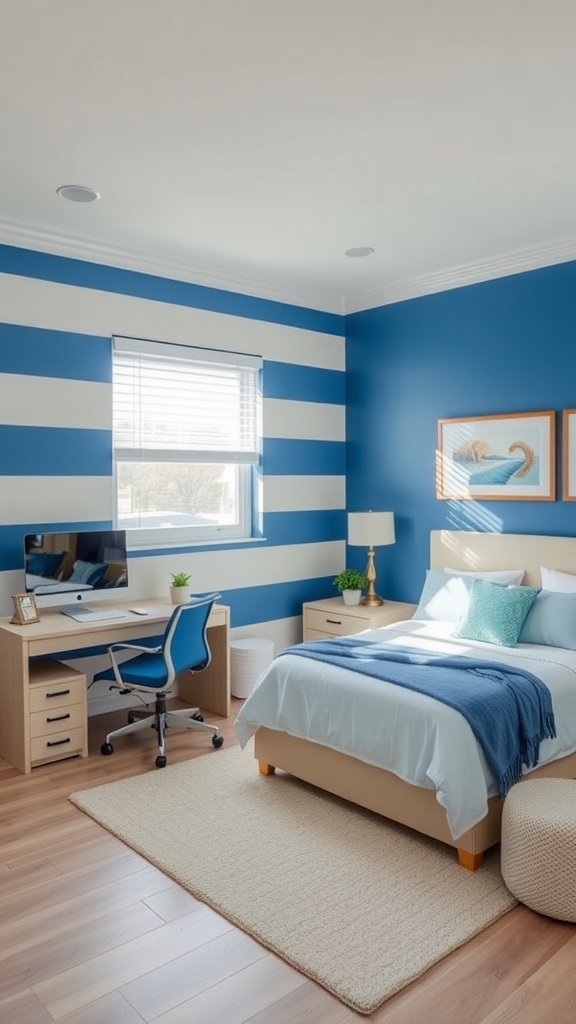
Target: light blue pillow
(551, 620)
(444, 597)
(496, 614)
(87, 572)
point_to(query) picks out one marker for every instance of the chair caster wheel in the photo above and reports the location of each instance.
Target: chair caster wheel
(198, 718)
(161, 761)
(217, 741)
(106, 748)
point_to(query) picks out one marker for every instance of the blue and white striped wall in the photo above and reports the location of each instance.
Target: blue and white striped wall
(57, 316)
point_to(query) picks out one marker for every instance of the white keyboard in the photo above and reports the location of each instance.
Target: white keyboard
(88, 615)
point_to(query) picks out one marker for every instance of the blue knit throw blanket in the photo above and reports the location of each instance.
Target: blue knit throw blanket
(509, 710)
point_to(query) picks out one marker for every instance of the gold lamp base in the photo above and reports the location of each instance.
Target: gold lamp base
(371, 600)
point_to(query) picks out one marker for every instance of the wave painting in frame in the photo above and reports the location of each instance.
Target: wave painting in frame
(509, 457)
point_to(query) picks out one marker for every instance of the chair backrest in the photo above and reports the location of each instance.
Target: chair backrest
(185, 645)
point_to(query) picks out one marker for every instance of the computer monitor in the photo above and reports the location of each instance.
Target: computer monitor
(75, 567)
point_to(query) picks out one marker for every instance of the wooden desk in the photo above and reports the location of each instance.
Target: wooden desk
(22, 679)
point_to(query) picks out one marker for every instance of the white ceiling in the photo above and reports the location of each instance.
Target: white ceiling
(248, 143)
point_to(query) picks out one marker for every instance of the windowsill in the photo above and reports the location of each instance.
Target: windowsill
(194, 545)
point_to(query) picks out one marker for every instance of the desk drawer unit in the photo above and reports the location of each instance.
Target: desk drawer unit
(58, 713)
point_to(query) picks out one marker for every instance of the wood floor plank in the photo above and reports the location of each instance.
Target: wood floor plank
(14, 878)
(551, 986)
(75, 944)
(89, 892)
(172, 984)
(307, 1004)
(239, 997)
(24, 1008)
(80, 985)
(111, 1009)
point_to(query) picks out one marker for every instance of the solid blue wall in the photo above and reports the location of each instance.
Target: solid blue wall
(498, 347)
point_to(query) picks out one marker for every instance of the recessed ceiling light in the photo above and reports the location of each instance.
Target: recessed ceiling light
(360, 250)
(78, 193)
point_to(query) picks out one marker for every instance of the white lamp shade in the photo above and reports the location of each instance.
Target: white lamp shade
(370, 529)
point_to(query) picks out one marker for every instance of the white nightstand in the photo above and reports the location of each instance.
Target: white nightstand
(322, 619)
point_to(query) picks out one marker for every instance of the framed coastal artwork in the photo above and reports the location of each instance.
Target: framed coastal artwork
(569, 455)
(509, 457)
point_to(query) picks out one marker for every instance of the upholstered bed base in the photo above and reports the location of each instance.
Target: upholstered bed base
(386, 794)
(380, 790)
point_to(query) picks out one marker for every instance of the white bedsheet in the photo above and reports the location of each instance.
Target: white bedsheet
(420, 739)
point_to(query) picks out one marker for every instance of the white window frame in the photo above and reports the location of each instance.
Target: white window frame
(246, 457)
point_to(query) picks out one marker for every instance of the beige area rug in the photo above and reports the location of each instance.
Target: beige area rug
(354, 902)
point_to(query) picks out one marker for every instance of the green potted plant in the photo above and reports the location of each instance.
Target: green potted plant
(351, 583)
(179, 589)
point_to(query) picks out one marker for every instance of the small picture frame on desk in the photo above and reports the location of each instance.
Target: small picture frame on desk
(25, 609)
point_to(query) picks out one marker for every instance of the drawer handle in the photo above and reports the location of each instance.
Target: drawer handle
(58, 743)
(58, 718)
(59, 693)
(334, 622)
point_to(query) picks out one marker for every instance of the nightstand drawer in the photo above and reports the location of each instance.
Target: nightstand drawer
(331, 617)
(314, 634)
(334, 623)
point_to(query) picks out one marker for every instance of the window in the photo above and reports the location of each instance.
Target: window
(186, 439)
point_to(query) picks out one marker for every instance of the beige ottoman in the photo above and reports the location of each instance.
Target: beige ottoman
(538, 848)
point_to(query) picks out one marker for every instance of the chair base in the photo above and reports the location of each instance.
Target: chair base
(160, 719)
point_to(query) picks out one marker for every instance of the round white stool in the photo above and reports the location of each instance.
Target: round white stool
(538, 847)
(248, 659)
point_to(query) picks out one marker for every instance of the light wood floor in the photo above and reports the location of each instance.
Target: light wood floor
(90, 933)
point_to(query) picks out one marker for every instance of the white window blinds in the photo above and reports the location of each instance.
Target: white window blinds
(178, 403)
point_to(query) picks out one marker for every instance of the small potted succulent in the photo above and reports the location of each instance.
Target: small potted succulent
(179, 589)
(351, 583)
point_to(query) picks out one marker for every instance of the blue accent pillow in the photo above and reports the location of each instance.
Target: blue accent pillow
(496, 614)
(551, 621)
(44, 563)
(444, 597)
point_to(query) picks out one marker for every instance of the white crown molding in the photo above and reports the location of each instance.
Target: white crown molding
(236, 280)
(472, 273)
(144, 261)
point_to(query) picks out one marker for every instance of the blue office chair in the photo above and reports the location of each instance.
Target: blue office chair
(184, 647)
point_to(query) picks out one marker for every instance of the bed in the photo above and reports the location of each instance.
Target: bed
(290, 717)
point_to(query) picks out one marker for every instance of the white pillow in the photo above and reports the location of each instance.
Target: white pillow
(558, 582)
(506, 577)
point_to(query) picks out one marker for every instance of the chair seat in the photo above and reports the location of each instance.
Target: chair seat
(144, 670)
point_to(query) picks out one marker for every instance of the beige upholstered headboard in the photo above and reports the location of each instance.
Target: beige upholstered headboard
(460, 549)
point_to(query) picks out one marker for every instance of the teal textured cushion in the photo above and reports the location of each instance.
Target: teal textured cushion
(551, 621)
(444, 597)
(496, 614)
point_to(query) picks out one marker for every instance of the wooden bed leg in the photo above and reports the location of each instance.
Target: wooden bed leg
(266, 769)
(470, 861)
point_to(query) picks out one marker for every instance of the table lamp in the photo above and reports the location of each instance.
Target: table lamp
(371, 529)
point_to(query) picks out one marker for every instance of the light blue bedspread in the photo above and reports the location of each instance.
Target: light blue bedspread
(509, 710)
